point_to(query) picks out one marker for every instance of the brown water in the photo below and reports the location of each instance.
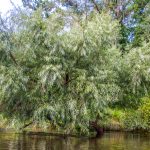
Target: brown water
(110, 141)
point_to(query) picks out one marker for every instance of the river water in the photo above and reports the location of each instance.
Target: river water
(110, 141)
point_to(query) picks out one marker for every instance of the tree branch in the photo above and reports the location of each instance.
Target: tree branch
(96, 6)
(26, 125)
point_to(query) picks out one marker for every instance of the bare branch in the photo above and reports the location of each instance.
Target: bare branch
(96, 6)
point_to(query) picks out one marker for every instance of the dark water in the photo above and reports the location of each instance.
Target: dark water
(110, 141)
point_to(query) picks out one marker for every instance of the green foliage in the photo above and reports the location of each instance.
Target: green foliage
(66, 77)
(140, 118)
(133, 120)
(145, 109)
(113, 119)
(65, 69)
(3, 121)
(141, 19)
(117, 115)
(133, 75)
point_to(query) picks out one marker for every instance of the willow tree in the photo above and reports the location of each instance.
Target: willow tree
(62, 69)
(134, 70)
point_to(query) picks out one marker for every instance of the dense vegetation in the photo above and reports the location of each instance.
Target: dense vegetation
(64, 64)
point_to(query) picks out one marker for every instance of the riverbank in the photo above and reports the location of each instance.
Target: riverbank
(32, 130)
(116, 120)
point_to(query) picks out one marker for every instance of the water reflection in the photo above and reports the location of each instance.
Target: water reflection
(110, 141)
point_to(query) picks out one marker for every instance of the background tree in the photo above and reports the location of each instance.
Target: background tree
(130, 13)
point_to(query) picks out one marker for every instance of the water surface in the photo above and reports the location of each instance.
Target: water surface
(110, 141)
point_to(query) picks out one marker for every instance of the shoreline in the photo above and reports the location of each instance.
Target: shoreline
(41, 132)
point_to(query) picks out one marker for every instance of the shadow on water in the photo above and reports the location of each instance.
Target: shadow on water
(110, 141)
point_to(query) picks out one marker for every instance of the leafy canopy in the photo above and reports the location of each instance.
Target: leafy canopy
(63, 69)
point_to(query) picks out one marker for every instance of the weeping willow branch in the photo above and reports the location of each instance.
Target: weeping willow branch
(13, 58)
(5, 31)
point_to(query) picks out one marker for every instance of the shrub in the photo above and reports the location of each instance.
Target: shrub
(133, 120)
(117, 114)
(145, 109)
(114, 119)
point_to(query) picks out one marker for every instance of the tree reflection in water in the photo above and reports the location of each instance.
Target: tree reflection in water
(110, 141)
